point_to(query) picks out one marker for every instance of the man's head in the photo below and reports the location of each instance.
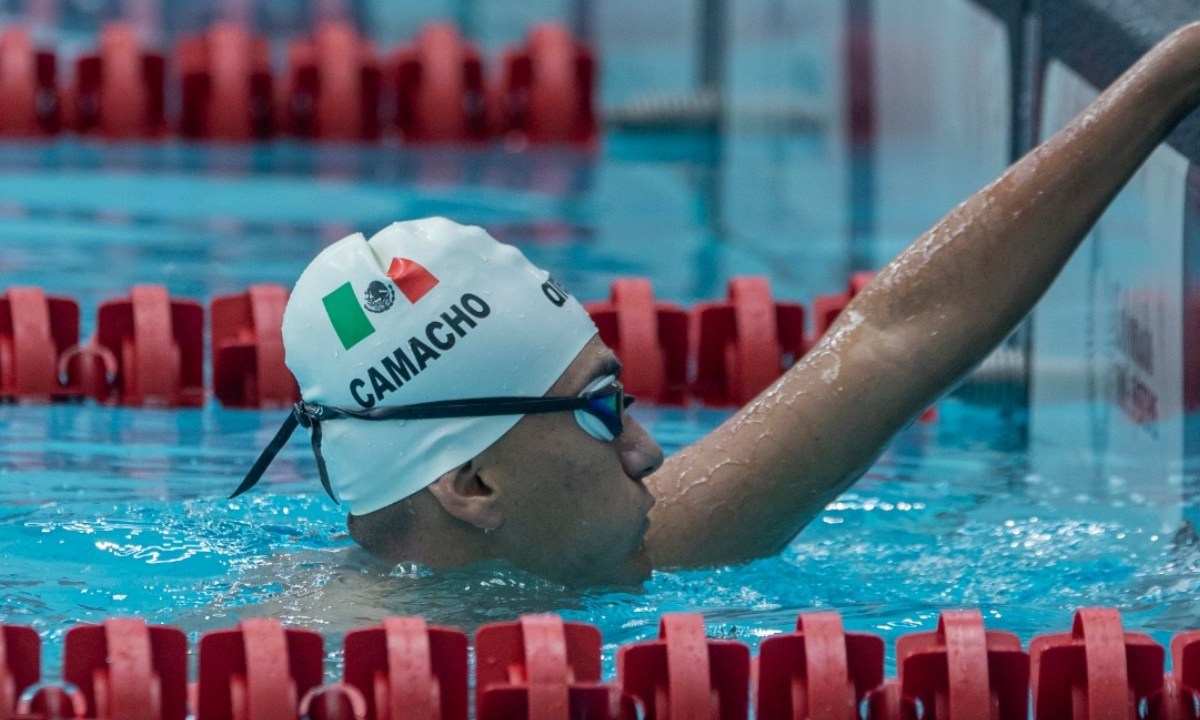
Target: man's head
(430, 312)
(546, 496)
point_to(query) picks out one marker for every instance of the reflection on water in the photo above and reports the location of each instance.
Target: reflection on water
(109, 512)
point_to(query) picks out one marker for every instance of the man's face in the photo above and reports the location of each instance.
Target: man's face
(574, 508)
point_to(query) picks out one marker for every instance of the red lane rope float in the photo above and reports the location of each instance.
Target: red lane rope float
(20, 664)
(119, 92)
(439, 88)
(147, 349)
(158, 343)
(407, 669)
(35, 331)
(226, 85)
(336, 701)
(29, 99)
(330, 90)
(257, 672)
(127, 669)
(685, 676)
(1096, 672)
(650, 338)
(1180, 699)
(541, 668)
(53, 702)
(332, 86)
(744, 343)
(818, 671)
(544, 93)
(962, 672)
(247, 349)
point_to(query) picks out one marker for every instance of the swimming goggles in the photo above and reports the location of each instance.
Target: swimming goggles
(599, 410)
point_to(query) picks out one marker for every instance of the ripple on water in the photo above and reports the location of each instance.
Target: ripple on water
(944, 519)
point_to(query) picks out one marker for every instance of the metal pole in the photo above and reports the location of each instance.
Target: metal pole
(238, 12)
(466, 13)
(581, 20)
(711, 53)
(331, 11)
(43, 13)
(147, 16)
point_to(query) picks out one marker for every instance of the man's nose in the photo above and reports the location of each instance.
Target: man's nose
(640, 455)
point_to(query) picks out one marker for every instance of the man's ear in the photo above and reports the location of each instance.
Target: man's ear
(465, 495)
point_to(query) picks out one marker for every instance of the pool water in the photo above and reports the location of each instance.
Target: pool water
(116, 512)
(110, 512)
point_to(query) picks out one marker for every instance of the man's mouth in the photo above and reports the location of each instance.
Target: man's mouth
(641, 535)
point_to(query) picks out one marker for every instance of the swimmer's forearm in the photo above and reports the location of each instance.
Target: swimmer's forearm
(960, 289)
(932, 314)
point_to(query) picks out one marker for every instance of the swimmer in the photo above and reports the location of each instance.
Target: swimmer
(463, 409)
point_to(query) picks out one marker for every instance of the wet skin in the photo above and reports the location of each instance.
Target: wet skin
(546, 497)
(573, 507)
(551, 499)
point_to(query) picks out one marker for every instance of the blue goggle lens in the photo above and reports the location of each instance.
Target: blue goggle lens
(602, 419)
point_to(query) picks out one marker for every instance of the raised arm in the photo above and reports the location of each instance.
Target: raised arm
(930, 316)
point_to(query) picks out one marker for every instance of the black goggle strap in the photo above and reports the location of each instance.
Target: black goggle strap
(310, 415)
(476, 407)
(302, 414)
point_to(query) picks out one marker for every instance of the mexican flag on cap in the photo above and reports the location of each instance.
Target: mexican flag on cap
(348, 314)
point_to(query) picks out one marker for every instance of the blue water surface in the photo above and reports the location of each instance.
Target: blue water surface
(116, 512)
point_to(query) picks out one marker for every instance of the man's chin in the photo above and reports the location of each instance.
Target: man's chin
(640, 563)
(626, 575)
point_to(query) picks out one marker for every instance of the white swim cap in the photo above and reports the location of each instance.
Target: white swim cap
(425, 310)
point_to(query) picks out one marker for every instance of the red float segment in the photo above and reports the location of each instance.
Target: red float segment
(35, 331)
(592, 701)
(439, 88)
(1173, 703)
(887, 703)
(650, 338)
(407, 669)
(541, 668)
(332, 86)
(119, 92)
(1185, 660)
(685, 676)
(53, 702)
(259, 671)
(226, 85)
(818, 671)
(544, 94)
(29, 99)
(1181, 687)
(962, 672)
(1095, 672)
(20, 664)
(125, 668)
(336, 701)
(90, 371)
(158, 344)
(744, 343)
(247, 349)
